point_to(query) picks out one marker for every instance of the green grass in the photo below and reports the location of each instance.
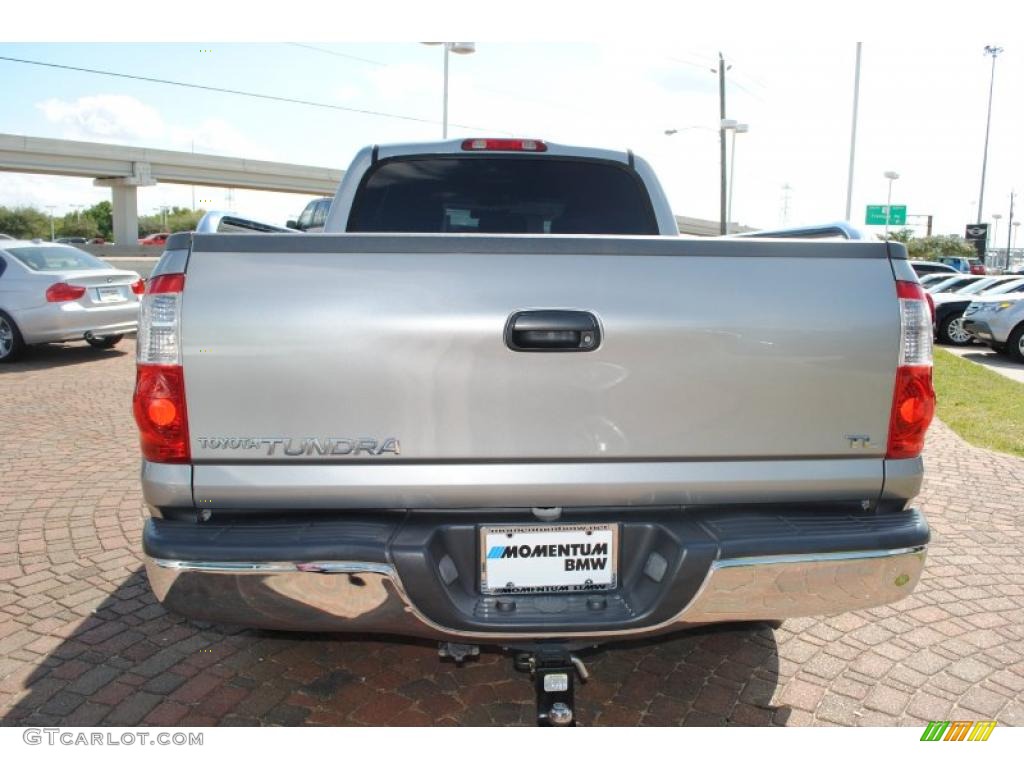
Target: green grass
(984, 408)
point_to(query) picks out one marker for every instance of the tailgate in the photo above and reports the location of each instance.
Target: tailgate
(361, 348)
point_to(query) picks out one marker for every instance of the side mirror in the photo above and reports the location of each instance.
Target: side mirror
(292, 224)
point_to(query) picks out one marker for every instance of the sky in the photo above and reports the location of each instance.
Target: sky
(922, 115)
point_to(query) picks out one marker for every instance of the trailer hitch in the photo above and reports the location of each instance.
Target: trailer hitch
(553, 670)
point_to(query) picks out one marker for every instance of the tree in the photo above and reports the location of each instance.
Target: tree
(178, 220)
(103, 215)
(98, 221)
(24, 223)
(931, 248)
(77, 226)
(904, 235)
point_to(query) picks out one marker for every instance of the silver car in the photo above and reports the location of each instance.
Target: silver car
(53, 292)
(999, 322)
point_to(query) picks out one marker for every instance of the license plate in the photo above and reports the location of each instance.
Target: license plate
(109, 294)
(548, 558)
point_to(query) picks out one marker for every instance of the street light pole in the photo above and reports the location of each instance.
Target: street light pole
(995, 228)
(993, 51)
(52, 233)
(460, 48)
(891, 176)
(853, 134)
(444, 130)
(723, 205)
(1009, 229)
(738, 128)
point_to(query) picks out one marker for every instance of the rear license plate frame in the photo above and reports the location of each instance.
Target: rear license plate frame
(492, 582)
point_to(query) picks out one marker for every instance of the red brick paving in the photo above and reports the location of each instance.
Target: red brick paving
(83, 641)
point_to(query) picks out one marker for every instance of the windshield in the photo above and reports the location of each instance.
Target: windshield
(1011, 286)
(510, 195)
(982, 285)
(52, 258)
(951, 284)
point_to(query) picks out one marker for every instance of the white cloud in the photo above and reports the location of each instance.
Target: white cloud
(122, 119)
(400, 81)
(40, 191)
(219, 137)
(347, 94)
(111, 117)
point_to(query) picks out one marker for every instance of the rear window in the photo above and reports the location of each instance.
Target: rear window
(502, 195)
(48, 258)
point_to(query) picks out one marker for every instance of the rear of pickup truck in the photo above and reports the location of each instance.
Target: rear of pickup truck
(512, 438)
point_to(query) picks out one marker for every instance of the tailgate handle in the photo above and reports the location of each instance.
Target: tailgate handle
(552, 330)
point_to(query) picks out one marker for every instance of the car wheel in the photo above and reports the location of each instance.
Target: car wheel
(952, 331)
(1015, 344)
(105, 342)
(11, 344)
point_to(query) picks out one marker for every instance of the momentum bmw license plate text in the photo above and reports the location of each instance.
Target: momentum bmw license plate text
(548, 558)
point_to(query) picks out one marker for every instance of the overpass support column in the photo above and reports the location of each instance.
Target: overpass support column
(126, 214)
(125, 201)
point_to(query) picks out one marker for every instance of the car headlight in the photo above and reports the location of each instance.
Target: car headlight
(972, 309)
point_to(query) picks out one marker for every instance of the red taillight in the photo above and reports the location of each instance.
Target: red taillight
(174, 283)
(64, 292)
(913, 398)
(139, 287)
(159, 406)
(906, 289)
(931, 305)
(505, 145)
(913, 405)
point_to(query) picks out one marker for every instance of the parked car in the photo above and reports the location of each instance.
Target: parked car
(967, 264)
(934, 277)
(951, 283)
(158, 238)
(998, 321)
(6, 237)
(54, 292)
(930, 267)
(313, 216)
(950, 307)
(528, 441)
(72, 240)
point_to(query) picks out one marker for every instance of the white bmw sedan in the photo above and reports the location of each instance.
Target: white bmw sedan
(53, 292)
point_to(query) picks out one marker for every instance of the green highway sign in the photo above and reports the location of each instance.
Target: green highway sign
(876, 215)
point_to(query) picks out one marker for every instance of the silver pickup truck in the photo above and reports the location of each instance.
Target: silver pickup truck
(500, 400)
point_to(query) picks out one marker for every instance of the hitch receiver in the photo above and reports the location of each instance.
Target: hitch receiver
(554, 671)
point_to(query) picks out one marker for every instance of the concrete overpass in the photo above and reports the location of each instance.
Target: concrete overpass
(125, 169)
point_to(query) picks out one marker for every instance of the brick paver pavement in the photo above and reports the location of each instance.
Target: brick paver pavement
(83, 642)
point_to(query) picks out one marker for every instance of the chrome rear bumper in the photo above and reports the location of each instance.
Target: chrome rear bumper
(370, 597)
